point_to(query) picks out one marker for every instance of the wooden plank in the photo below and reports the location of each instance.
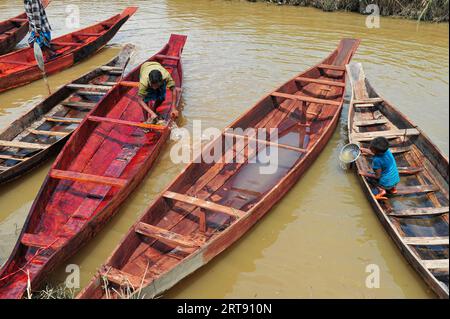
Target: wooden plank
(90, 93)
(331, 67)
(106, 83)
(305, 98)
(122, 278)
(166, 236)
(390, 134)
(18, 62)
(371, 122)
(88, 86)
(409, 190)
(436, 264)
(204, 204)
(82, 177)
(154, 127)
(369, 101)
(41, 241)
(363, 106)
(425, 211)
(9, 157)
(62, 119)
(320, 81)
(409, 170)
(110, 68)
(129, 84)
(259, 141)
(48, 133)
(68, 44)
(167, 57)
(88, 34)
(400, 149)
(87, 105)
(36, 146)
(426, 241)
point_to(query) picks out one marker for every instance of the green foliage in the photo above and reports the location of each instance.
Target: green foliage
(422, 10)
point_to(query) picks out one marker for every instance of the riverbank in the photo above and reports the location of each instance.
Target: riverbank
(424, 10)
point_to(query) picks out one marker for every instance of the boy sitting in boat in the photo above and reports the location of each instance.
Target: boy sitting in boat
(386, 176)
(153, 81)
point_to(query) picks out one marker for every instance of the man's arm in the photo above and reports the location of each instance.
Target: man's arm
(151, 115)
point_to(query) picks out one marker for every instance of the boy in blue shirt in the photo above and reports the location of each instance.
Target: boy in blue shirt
(385, 176)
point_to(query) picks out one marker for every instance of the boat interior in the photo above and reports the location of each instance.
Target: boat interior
(419, 210)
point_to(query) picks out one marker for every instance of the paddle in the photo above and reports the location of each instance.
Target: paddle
(40, 62)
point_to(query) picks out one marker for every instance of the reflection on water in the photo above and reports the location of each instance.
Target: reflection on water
(319, 240)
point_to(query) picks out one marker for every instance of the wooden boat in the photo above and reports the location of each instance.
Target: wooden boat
(42, 131)
(19, 68)
(417, 217)
(103, 161)
(209, 206)
(13, 30)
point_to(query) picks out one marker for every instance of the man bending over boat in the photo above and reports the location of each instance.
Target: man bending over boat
(153, 81)
(39, 26)
(386, 176)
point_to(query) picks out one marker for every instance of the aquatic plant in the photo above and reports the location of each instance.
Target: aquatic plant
(426, 10)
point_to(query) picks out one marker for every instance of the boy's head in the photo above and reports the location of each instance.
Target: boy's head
(379, 145)
(155, 79)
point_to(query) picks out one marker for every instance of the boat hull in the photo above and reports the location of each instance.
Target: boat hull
(65, 60)
(204, 211)
(98, 205)
(394, 213)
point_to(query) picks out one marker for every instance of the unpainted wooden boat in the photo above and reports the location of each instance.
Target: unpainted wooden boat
(210, 205)
(417, 217)
(102, 163)
(13, 30)
(19, 68)
(41, 132)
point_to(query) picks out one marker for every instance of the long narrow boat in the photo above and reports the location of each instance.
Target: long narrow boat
(210, 205)
(41, 132)
(417, 216)
(19, 68)
(13, 30)
(101, 164)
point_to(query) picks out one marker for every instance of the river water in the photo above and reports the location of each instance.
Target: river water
(319, 241)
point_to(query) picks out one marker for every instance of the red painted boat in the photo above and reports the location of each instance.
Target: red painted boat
(19, 68)
(101, 164)
(210, 205)
(41, 132)
(13, 30)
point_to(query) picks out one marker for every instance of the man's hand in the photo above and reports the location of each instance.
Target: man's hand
(151, 115)
(367, 174)
(366, 151)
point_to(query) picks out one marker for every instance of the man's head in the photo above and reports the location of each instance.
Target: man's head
(379, 145)
(155, 79)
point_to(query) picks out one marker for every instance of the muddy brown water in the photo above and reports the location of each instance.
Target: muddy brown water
(321, 239)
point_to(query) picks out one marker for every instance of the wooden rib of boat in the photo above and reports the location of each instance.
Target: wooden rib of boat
(13, 30)
(41, 132)
(19, 68)
(101, 164)
(417, 217)
(210, 205)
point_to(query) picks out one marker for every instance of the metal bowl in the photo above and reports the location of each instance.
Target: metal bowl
(350, 153)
